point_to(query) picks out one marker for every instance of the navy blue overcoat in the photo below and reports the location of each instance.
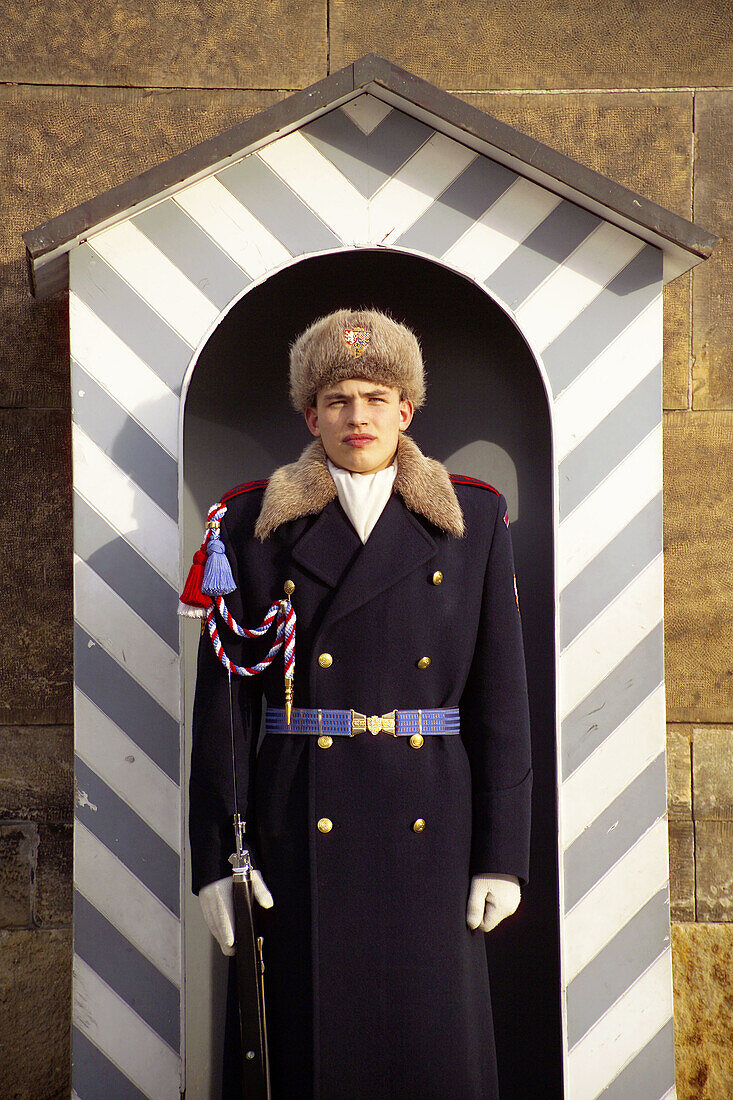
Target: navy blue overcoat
(376, 987)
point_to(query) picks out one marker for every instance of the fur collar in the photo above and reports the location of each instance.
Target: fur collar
(305, 487)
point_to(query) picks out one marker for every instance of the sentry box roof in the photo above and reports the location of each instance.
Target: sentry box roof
(683, 243)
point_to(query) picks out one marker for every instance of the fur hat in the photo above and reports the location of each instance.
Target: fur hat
(362, 343)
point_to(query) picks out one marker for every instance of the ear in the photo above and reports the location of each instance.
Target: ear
(311, 419)
(406, 410)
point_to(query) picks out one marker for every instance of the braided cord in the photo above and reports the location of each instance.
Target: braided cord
(282, 610)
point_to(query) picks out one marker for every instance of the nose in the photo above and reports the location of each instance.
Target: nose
(358, 414)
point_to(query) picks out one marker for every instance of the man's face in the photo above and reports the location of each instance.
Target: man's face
(359, 423)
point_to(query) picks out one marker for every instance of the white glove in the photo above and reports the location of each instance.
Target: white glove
(217, 905)
(490, 899)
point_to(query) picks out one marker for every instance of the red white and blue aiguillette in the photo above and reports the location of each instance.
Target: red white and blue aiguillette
(209, 580)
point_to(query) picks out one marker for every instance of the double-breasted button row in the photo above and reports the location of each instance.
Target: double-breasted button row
(325, 825)
(325, 660)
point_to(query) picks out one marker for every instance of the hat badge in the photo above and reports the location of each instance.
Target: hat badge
(357, 339)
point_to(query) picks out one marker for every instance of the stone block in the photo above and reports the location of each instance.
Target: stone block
(681, 870)
(53, 900)
(35, 530)
(227, 44)
(712, 764)
(503, 45)
(35, 1014)
(712, 281)
(714, 870)
(18, 845)
(679, 772)
(642, 140)
(60, 147)
(702, 964)
(698, 566)
(37, 773)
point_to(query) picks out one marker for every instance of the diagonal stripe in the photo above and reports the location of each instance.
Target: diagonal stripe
(126, 703)
(613, 374)
(128, 838)
(119, 371)
(276, 206)
(614, 831)
(613, 901)
(366, 111)
(625, 1030)
(575, 284)
(125, 442)
(131, 318)
(616, 762)
(192, 251)
(634, 288)
(538, 256)
(130, 511)
(602, 645)
(123, 1037)
(127, 903)
(129, 575)
(328, 195)
(618, 433)
(650, 1075)
(457, 207)
(157, 281)
(412, 190)
(127, 770)
(234, 229)
(126, 971)
(495, 235)
(605, 577)
(367, 160)
(607, 510)
(95, 1077)
(619, 964)
(126, 637)
(612, 701)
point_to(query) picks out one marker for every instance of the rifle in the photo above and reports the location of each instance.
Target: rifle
(249, 959)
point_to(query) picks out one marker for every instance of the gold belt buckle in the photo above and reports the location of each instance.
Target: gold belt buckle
(375, 723)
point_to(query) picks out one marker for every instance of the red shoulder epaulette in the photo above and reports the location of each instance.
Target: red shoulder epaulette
(464, 479)
(246, 487)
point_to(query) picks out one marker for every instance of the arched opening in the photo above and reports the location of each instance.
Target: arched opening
(486, 415)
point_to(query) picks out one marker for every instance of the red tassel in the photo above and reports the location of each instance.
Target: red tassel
(192, 594)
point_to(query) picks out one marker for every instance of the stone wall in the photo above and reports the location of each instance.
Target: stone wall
(90, 97)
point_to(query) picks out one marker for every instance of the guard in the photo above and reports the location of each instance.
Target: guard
(366, 601)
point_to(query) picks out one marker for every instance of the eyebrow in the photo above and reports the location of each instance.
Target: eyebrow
(340, 393)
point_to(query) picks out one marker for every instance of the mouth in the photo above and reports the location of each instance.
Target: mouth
(358, 440)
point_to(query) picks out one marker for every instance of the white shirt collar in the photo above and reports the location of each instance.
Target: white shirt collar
(363, 496)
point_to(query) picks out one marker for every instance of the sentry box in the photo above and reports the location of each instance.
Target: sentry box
(535, 285)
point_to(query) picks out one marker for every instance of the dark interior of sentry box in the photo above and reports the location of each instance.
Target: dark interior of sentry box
(485, 399)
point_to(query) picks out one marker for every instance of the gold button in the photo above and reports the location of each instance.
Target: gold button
(289, 587)
(325, 824)
(325, 741)
(423, 662)
(419, 825)
(325, 660)
(416, 740)
(437, 577)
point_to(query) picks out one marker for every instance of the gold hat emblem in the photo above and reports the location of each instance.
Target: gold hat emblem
(357, 339)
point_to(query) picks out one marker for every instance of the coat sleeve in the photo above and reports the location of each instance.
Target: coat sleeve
(495, 721)
(211, 786)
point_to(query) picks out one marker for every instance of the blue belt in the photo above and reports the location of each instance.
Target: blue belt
(347, 723)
